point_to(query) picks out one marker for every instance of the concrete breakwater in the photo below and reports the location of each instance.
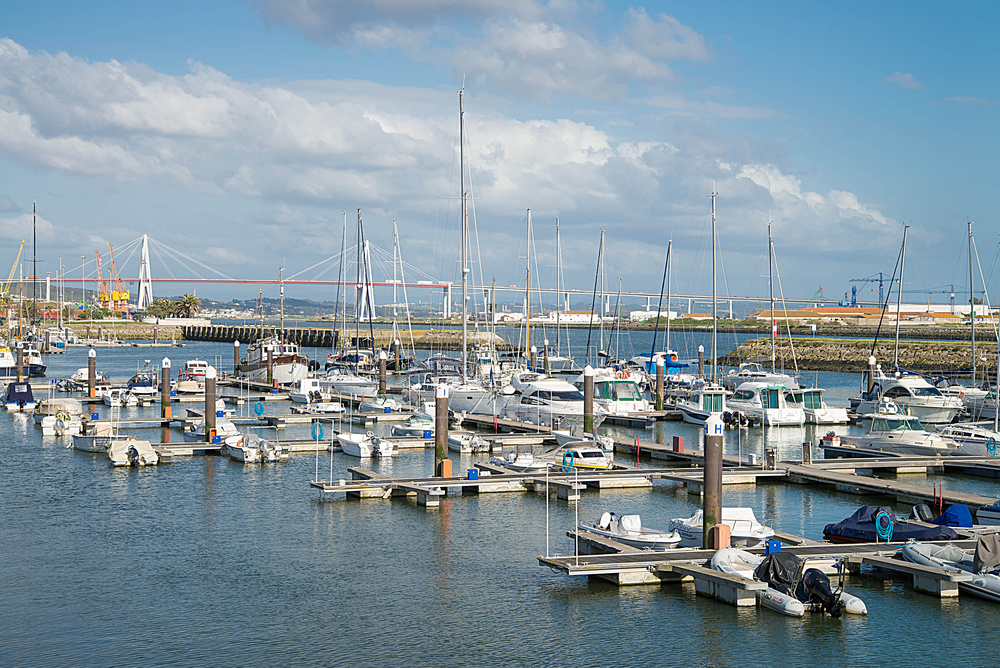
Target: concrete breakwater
(328, 338)
(852, 355)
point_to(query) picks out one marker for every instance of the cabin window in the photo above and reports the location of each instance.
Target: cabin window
(896, 392)
(926, 392)
(711, 403)
(743, 395)
(769, 398)
(625, 390)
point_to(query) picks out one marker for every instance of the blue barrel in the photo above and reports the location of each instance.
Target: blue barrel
(219, 413)
(173, 393)
(773, 545)
(388, 410)
(216, 440)
(94, 416)
(473, 474)
(430, 434)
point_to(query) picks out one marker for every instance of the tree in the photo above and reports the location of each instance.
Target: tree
(160, 308)
(187, 306)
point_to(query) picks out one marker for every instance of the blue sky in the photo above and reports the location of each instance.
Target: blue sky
(238, 132)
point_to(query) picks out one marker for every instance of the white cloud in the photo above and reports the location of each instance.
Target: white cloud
(679, 106)
(7, 205)
(904, 81)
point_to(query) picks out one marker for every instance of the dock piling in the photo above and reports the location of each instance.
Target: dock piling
(712, 481)
(91, 373)
(442, 465)
(209, 404)
(381, 372)
(20, 362)
(659, 385)
(236, 357)
(165, 412)
(588, 399)
(701, 361)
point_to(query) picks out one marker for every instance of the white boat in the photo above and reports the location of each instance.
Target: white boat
(467, 442)
(989, 514)
(985, 581)
(99, 439)
(471, 396)
(287, 365)
(18, 398)
(143, 383)
(522, 462)
(973, 440)
(628, 529)
(132, 451)
(565, 437)
(418, 425)
(250, 448)
(733, 561)
(768, 403)
(616, 391)
(64, 408)
(901, 434)
(224, 428)
(915, 396)
(744, 529)
(365, 445)
(542, 399)
(306, 391)
(582, 455)
(220, 410)
(379, 404)
(119, 397)
(815, 409)
(320, 408)
(883, 406)
(754, 372)
(699, 401)
(81, 375)
(347, 383)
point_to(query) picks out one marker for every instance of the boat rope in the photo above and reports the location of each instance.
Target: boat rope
(883, 526)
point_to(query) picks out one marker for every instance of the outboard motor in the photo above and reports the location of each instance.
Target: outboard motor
(921, 512)
(815, 588)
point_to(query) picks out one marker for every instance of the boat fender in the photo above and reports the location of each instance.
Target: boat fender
(991, 447)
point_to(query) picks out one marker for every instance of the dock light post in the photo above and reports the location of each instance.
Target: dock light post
(20, 362)
(270, 364)
(701, 361)
(91, 373)
(712, 482)
(659, 385)
(588, 399)
(209, 403)
(165, 412)
(533, 358)
(236, 357)
(381, 371)
(545, 354)
(442, 465)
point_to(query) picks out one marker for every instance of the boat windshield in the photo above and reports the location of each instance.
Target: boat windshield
(925, 392)
(897, 424)
(546, 396)
(624, 390)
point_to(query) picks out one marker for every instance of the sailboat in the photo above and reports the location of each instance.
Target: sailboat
(272, 353)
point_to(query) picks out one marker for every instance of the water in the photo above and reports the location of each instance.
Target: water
(208, 562)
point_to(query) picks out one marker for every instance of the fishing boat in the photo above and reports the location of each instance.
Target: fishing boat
(347, 383)
(379, 404)
(699, 401)
(582, 455)
(984, 564)
(320, 408)
(973, 440)
(771, 404)
(902, 434)
(744, 529)
(250, 448)
(815, 409)
(628, 529)
(467, 442)
(18, 398)
(365, 445)
(286, 364)
(81, 376)
(616, 391)
(131, 451)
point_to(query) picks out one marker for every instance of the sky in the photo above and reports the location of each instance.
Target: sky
(237, 134)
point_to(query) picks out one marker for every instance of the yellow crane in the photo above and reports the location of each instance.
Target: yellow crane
(5, 287)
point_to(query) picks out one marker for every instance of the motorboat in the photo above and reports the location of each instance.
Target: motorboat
(347, 383)
(772, 404)
(546, 401)
(582, 455)
(224, 428)
(320, 408)
(468, 396)
(421, 426)
(467, 442)
(365, 445)
(522, 462)
(989, 514)
(194, 370)
(982, 407)
(884, 406)
(974, 440)
(221, 410)
(99, 439)
(754, 372)
(914, 394)
(132, 451)
(379, 404)
(815, 409)
(616, 391)
(744, 529)
(58, 416)
(983, 564)
(628, 529)
(18, 398)
(306, 391)
(31, 363)
(699, 401)
(565, 437)
(791, 595)
(902, 434)
(879, 525)
(143, 383)
(82, 375)
(250, 448)
(282, 358)
(120, 397)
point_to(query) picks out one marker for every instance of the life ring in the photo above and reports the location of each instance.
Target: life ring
(622, 375)
(62, 415)
(991, 447)
(258, 408)
(316, 435)
(568, 455)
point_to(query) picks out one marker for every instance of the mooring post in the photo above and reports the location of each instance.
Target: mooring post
(236, 357)
(659, 385)
(381, 372)
(533, 358)
(442, 465)
(209, 403)
(397, 355)
(270, 364)
(871, 374)
(807, 452)
(91, 373)
(588, 399)
(165, 412)
(701, 361)
(712, 482)
(545, 355)
(20, 362)
(48, 341)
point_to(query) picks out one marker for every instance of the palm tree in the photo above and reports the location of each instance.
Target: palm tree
(187, 306)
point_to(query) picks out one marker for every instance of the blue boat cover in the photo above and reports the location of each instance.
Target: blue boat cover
(860, 528)
(956, 516)
(18, 393)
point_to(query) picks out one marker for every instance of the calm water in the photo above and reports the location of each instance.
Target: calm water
(208, 562)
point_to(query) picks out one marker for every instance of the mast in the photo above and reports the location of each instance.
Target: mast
(600, 346)
(590, 328)
(715, 315)
(527, 292)
(899, 296)
(670, 244)
(357, 300)
(340, 283)
(281, 307)
(465, 239)
(972, 308)
(34, 269)
(558, 287)
(770, 285)
(260, 306)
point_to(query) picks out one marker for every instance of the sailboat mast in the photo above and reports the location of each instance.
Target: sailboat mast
(395, 256)
(670, 245)
(527, 293)
(281, 305)
(715, 315)
(899, 296)
(770, 285)
(260, 306)
(465, 239)
(342, 286)
(972, 307)
(558, 288)
(357, 299)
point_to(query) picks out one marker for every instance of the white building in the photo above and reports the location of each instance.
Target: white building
(640, 316)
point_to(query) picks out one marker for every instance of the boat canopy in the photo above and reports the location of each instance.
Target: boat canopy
(860, 527)
(18, 393)
(987, 556)
(957, 515)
